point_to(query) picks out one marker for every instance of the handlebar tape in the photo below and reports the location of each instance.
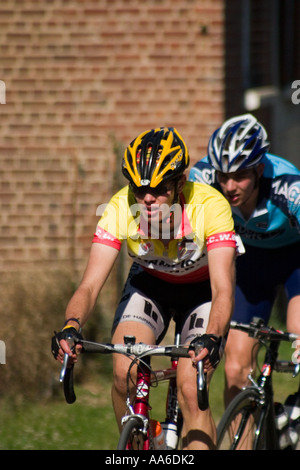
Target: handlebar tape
(69, 385)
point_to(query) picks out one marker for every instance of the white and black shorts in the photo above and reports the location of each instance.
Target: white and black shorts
(153, 302)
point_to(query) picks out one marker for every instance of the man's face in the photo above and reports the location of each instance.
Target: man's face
(155, 205)
(155, 199)
(238, 187)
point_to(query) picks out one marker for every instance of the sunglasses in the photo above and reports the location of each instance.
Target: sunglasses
(160, 190)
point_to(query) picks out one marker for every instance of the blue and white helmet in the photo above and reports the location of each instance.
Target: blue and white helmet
(239, 143)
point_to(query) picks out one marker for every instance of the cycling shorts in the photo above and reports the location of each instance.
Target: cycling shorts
(259, 273)
(154, 302)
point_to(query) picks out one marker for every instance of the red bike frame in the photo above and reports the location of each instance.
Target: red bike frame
(141, 404)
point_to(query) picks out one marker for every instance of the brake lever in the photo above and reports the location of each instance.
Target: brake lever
(64, 368)
(201, 377)
(202, 393)
(65, 361)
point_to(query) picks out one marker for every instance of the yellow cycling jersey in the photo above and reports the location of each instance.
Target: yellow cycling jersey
(204, 222)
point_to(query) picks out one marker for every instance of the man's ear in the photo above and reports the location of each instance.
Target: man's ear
(260, 169)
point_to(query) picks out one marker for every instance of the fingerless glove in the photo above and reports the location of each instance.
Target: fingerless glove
(69, 332)
(214, 345)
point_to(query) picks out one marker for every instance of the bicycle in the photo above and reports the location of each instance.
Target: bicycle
(137, 432)
(250, 418)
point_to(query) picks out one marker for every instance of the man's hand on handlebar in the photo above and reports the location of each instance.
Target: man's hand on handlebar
(207, 348)
(63, 342)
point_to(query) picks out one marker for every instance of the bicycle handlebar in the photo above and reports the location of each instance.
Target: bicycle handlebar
(139, 350)
(257, 329)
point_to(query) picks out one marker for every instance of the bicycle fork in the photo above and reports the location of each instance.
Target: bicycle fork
(266, 429)
(140, 407)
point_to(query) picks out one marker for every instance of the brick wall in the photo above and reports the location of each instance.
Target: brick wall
(82, 79)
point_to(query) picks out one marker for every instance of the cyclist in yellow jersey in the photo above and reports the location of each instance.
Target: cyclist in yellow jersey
(181, 240)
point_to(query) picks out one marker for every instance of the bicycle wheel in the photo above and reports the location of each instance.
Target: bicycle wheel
(241, 426)
(132, 436)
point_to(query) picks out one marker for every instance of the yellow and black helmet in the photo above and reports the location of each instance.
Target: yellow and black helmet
(154, 156)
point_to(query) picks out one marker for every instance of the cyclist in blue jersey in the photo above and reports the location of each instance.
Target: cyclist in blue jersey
(264, 193)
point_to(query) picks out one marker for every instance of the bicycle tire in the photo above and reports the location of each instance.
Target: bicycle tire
(238, 425)
(132, 431)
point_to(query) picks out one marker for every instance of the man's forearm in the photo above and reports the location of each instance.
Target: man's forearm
(220, 315)
(80, 307)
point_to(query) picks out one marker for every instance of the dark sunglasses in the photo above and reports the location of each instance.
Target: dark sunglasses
(160, 190)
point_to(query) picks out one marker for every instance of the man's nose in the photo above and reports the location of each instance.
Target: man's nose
(230, 185)
(149, 198)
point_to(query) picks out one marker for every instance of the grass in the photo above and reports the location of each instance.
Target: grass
(89, 423)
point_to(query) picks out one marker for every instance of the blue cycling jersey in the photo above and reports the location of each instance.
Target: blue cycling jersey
(276, 219)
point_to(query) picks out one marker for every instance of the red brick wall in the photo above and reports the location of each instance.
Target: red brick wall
(81, 75)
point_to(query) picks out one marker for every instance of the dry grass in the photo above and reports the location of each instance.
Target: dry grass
(32, 308)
